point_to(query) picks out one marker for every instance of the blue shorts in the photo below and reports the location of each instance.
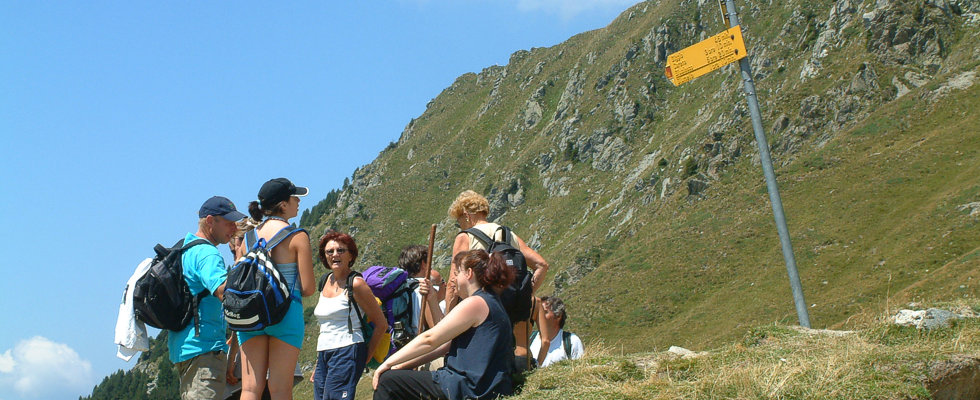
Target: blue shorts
(337, 372)
(289, 330)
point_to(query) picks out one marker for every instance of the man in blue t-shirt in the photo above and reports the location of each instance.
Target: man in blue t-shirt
(201, 357)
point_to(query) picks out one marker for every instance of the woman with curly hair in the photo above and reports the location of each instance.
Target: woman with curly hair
(470, 210)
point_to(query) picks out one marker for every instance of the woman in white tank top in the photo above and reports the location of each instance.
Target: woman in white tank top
(342, 349)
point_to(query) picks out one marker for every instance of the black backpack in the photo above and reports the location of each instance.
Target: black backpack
(161, 297)
(256, 295)
(515, 298)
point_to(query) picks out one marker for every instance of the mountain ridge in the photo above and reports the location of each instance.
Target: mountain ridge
(648, 200)
(592, 125)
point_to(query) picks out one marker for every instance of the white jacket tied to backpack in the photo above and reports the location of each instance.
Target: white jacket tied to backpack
(131, 334)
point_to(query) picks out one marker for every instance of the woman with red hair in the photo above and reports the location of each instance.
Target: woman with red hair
(342, 349)
(475, 337)
(471, 210)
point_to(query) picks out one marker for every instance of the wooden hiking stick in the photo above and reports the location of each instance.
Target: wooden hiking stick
(428, 269)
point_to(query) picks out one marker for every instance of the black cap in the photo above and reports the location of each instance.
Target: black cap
(277, 190)
(221, 207)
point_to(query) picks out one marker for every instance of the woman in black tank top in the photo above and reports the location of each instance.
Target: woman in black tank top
(475, 337)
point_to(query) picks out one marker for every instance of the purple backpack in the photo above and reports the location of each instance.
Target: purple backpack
(384, 281)
(392, 286)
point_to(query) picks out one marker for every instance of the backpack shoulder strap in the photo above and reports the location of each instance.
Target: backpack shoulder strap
(184, 247)
(323, 281)
(196, 300)
(352, 303)
(282, 235)
(250, 239)
(487, 241)
(506, 236)
(350, 289)
(566, 343)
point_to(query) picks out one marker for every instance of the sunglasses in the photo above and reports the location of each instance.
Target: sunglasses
(335, 251)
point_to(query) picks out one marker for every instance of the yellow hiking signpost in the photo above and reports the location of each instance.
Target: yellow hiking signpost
(709, 55)
(706, 56)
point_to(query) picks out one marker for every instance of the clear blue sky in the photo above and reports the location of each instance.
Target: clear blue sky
(118, 119)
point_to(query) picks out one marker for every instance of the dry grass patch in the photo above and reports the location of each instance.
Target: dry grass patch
(883, 361)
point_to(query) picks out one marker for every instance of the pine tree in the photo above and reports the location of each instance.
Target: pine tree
(168, 383)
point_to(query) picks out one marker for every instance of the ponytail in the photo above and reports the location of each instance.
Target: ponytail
(255, 211)
(491, 271)
(258, 213)
(498, 275)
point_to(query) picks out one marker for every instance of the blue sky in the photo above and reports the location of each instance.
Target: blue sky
(118, 119)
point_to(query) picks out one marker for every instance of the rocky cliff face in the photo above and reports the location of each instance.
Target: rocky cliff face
(647, 198)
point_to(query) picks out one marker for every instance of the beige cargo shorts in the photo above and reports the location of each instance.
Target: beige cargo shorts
(203, 377)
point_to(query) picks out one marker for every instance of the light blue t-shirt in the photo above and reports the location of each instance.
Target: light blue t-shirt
(204, 268)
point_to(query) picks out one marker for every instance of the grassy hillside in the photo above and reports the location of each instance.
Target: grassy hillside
(883, 361)
(648, 199)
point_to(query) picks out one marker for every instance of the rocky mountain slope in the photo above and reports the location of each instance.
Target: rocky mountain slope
(648, 199)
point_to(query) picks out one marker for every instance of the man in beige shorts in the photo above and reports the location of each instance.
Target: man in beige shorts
(199, 351)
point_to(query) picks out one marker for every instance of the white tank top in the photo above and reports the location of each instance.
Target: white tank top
(332, 313)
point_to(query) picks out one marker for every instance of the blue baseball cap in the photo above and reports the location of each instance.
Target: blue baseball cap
(222, 207)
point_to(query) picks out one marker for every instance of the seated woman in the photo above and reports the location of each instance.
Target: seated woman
(476, 334)
(471, 210)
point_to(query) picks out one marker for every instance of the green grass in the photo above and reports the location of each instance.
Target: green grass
(871, 203)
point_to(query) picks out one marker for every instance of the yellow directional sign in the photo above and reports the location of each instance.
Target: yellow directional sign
(708, 55)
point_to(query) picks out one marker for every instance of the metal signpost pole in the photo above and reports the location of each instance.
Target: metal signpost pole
(777, 204)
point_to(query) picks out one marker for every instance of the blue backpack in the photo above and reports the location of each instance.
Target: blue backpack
(256, 295)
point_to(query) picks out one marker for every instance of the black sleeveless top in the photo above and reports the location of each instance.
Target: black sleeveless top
(479, 359)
